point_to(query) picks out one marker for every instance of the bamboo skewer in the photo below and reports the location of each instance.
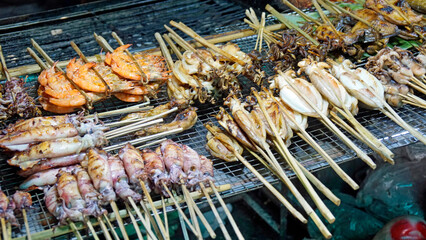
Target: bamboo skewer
(194, 206)
(119, 220)
(292, 162)
(307, 138)
(103, 43)
(114, 233)
(75, 230)
(138, 66)
(92, 230)
(203, 41)
(135, 224)
(125, 130)
(172, 45)
(327, 122)
(142, 219)
(24, 214)
(192, 215)
(80, 53)
(216, 214)
(227, 212)
(300, 12)
(289, 24)
(3, 65)
(154, 210)
(325, 18)
(180, 211)
(3, 229)
(166, 222)
(51, 63)
(104, 228)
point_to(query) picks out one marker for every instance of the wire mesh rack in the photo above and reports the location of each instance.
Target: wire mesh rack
(233, 173)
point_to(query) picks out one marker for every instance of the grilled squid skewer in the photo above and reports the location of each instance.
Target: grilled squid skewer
(88, 192)
(173, 160)
(68, 191)
(26, 125)
(155, 170)
(120, 180)
(134, 165)
(53, 203)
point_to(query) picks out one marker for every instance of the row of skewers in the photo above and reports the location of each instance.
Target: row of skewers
(129, 77)
(19, 202)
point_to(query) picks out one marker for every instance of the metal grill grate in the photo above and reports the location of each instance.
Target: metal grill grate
(137, 25)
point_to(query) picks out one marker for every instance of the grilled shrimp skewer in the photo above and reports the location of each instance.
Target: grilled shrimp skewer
(23, 201)
(305, 93)
(342, 102)
(365, 83)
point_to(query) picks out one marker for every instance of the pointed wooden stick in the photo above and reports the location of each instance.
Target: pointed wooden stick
(203, 41)
(75, 230)
(192, 215)
(103, 43)
(173, 46)
(134, 108)
(138, 66)
(216, 214)
(111, 227)
(125, 130)
(301, 13)
(119, 220)
(89, 102)
(227, 212)
(342, 174)
(180, 209)
(3, 65)
(104, 228)
(292, 162)
(80, 53)
(3, 229)
(27, 226)
(325, 18)
(166, 222)
(154, 210)
(165, 50)
(37, 59)
(289, 24)
(327, 122)
(191, 202)
(142, 219)
(135, 223)
(92, 229)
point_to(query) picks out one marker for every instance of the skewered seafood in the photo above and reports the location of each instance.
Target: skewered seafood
(43, 178)
(206, 170)
(73, 203)
(191, 166)
(392, 15)
(88, 192)
(219, 150)
(133, 164)
(155, 170)
(100, 173)
(185, 119)
(6, 209)
(328, 85)
(22, 200)
(53, 203)
(181, 104)
(173, 157)
(14, 100)
(56, 148)
(120, 180)
(26, 125)
(153, 67)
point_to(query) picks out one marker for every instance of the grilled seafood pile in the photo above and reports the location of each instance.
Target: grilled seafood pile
(100, 178)
(205, 75)
(46, 142)
(120, 74)
(15, 101)
(18, 201)
(396, 69)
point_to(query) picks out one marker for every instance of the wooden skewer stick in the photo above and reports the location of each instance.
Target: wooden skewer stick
(119, 220)
(216, 214)
(345, 177)
(289, 24)
(142, 219)
(103, 43)
(81, 54)
(192, 215)
(415, 86)
(36, 58)
(27, 226)
(325, 18)
(51, 63)
(292, 162)
(301, 13)
(104, 228)
(418, 82)
(3, 229)
(166, 222)
(138, 66)
(114, 233)
(154, 210)
(3, 65)
(227, 212)
(92, 229)
(149, 219)
(180, 209)
(173, 46)
(75, 230)
(327, 122)
(203, 41)
(125, 130)
(135, 224)
(417, 104)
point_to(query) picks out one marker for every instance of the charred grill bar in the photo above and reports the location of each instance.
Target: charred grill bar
(136, 22)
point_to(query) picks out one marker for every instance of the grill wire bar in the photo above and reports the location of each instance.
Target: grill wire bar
(137, 23)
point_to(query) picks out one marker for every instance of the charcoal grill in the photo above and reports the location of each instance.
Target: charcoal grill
(136, 22)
